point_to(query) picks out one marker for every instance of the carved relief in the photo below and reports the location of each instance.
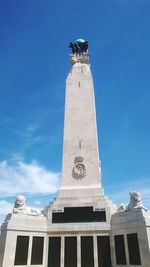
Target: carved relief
(135, 203)
(84, 58)
(21, 208)
(79, 169)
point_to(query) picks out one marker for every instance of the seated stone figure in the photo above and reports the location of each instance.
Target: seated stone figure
(135, 202)
(20, 207)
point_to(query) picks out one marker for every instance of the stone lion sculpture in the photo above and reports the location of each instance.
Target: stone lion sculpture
(20, 207)
(135, 202)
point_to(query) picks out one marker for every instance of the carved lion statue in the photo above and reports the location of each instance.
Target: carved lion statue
(19, 202)
(135, 202)
(20, 207)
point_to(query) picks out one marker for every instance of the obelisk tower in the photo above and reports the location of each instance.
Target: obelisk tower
(81, 227)
(81, 174)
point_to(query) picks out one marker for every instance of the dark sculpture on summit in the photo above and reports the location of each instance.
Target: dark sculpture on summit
(79, 47)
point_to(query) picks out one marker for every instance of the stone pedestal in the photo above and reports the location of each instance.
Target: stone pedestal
(133, 228)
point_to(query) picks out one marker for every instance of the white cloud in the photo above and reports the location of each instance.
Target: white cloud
(30, 134)
(20, 177)
(5, 207)
(37, 202)
(119, 193)
(33, 128)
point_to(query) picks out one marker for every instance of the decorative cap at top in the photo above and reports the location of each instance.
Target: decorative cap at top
(80, 41)
(78, 159)
(79, 51)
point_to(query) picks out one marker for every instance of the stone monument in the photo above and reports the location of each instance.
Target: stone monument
(81, 227)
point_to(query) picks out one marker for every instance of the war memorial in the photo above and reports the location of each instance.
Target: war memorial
(81, 227)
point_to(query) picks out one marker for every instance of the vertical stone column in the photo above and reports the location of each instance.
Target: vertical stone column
(95, 251)
(45, 250)
(78, 251)
(62, 252)
(112, 250)
(126, 250)
(29, 250)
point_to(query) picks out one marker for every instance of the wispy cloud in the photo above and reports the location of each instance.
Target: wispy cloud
(32, 128)
(30, 134)
(37, 202)
(5, 207)
(30, 179)
(6, 120)
(21, 177)
(119, 193)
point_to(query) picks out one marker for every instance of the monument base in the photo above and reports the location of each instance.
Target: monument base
(130, 238)
(85, 233)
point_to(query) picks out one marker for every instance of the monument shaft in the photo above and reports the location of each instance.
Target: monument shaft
(80, 134)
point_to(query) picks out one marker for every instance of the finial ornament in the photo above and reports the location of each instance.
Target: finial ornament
(79, 51)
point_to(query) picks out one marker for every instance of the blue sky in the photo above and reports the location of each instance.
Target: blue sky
(34, 64)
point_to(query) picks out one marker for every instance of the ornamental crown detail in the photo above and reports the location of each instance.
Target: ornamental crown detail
(78, 159)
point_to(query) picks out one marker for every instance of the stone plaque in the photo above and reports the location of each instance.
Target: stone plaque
(120, 249)
(87, 251)
(54, 252)
(70, 251)
(37, 250)
(21, 255)
(133, 247)
(103, 247)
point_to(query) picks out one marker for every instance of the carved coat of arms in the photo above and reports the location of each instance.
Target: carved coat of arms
(79, 169)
